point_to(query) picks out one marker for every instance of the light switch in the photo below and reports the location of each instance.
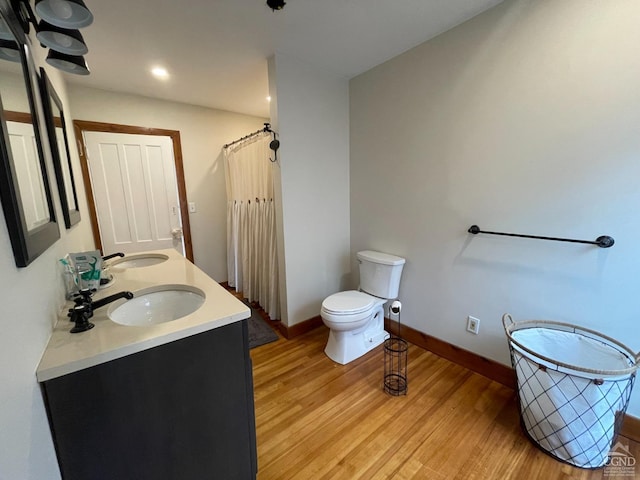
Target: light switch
(192, 207)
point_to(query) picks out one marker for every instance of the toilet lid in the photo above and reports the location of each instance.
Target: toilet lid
(348, 303)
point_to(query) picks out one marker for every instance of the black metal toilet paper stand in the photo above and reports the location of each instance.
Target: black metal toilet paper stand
(395, 366)
(396, 352)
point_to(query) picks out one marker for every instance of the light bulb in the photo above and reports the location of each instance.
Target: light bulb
(5, 31)
(10, 53)
(62, 39)
(61, 8)
(160, 72)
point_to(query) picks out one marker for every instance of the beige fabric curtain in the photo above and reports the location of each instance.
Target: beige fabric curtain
(251, 226)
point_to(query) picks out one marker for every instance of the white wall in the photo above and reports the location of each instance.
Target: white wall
(203, 132)
(523, 119)
(31, 298)
(311, 113)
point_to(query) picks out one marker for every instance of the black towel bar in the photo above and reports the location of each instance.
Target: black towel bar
(604, 241)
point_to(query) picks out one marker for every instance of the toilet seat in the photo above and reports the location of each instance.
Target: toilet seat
(351, 302)
(348, 310)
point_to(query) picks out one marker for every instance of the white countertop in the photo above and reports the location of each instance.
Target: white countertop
(67, 353)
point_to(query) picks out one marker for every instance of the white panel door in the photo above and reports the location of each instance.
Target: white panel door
(64, 164)
(29, 174)
(135, 191)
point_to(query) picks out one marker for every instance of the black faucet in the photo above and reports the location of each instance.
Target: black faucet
(109, 257)
(105, 280)
(83, 310)
(111, 298)
(80, 314)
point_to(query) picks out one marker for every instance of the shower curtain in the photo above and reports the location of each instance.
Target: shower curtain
(251, 227)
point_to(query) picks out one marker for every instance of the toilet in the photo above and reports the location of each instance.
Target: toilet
(356, 317)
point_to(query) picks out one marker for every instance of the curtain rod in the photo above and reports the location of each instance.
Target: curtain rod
(266, 128)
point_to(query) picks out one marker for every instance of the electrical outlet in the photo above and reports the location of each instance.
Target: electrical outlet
(473, 325)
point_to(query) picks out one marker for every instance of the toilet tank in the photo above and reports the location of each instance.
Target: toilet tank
(380, 273)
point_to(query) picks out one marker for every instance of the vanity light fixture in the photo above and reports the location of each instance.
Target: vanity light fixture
(5, 31)
(276, 4)
(57, 30)
(75, 64)
(61, 39)
(9, 51)
(64, 13)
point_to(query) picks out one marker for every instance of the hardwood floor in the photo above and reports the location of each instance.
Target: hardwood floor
(316, 419)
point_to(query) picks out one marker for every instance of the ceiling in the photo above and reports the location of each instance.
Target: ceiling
(216, 50)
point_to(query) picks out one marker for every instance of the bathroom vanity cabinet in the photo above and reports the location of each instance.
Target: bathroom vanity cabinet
(178, 411)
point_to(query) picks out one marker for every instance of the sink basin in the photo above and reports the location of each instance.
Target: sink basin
(140, 260)
(155, 305)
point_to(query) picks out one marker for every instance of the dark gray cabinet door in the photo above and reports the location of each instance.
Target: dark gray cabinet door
(179, 411)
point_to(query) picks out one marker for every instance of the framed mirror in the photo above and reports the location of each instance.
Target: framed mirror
(24, 184)
(57, 129)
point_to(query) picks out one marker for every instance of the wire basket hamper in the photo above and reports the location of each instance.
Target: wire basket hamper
(573, 385)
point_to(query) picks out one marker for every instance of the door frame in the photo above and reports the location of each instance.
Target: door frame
(80, 126)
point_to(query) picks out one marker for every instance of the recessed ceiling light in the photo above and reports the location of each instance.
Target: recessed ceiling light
(268, 98)
(160, 72)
